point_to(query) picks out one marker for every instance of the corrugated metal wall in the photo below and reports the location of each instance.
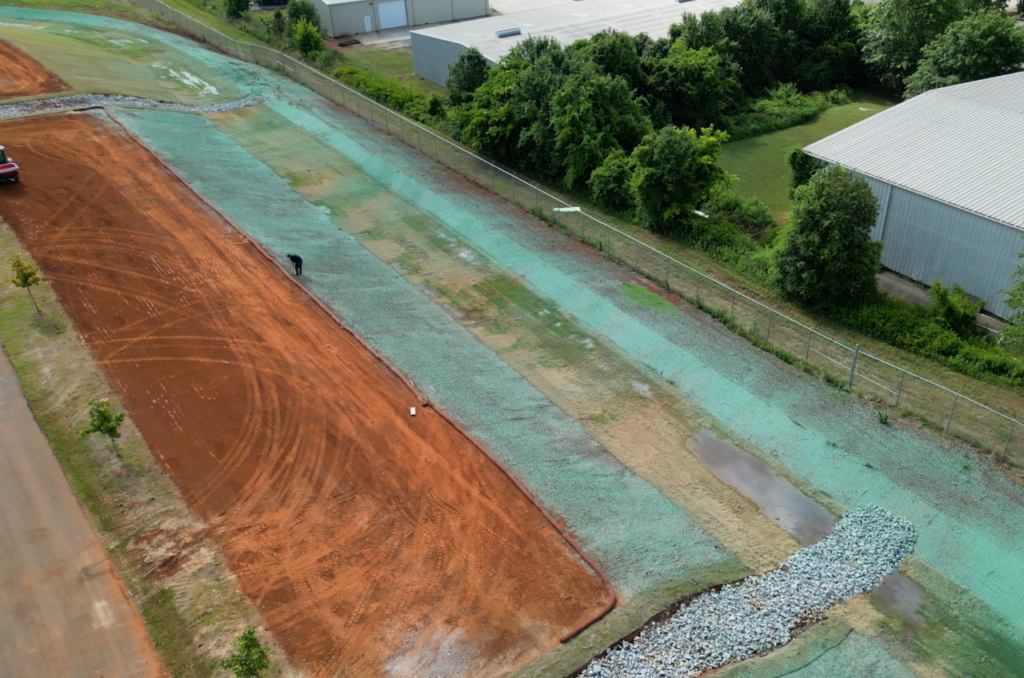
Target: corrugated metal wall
(431, 56)
(927, 240)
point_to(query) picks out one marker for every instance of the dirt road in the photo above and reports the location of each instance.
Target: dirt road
(23, 76)
(373, 542)
(63, 609)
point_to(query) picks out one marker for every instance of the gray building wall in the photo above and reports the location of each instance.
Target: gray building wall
(927, 240)
(347, 18)
(431, 56)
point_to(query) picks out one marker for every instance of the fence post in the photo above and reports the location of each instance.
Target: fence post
(732, 306)
(950, 420)
(900, 392)
(1009, 435)
(807, 354)
(697, 295)
(513, 182)
(387, 127)
(435, 150)
(768, 336)
(668, 274)
(853, 365)
(636, 259)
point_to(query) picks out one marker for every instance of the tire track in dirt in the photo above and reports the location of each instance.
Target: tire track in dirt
(289, 437)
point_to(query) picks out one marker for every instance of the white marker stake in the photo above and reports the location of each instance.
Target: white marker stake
(412, 411)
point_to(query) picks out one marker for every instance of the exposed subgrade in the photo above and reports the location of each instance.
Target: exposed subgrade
(761, 612)
(84, 101)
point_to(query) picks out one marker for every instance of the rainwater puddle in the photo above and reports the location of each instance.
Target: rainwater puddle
(796, 513)
(779, 499)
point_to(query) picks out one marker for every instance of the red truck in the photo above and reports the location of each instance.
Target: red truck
(8, 170)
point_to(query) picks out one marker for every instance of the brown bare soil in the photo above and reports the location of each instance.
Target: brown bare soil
(373, 542)
(23, 76)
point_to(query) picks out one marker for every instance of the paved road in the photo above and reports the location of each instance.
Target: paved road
(63, 610)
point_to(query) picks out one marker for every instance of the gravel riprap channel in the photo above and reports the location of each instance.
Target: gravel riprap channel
(761, 612)
(79, 101)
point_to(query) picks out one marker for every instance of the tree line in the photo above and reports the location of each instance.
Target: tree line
(637, 124)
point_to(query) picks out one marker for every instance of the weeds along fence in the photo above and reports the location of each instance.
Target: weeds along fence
(938, 406)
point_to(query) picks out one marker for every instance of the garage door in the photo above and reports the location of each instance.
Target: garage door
(392, 14)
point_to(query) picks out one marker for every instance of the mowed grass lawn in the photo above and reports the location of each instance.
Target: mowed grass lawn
(760, 162)
(393, 61)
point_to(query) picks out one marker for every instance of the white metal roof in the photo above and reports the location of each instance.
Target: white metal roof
(571, 21)
(962, 145)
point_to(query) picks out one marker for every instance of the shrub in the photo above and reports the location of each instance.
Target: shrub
(250, 659)
(609, 183)
(954, 311)
(389, 92)
(803, 167)
(749, 214)
(236, 8)
(784, 107)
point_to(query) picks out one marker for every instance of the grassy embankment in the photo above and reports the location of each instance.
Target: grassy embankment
(190, 604)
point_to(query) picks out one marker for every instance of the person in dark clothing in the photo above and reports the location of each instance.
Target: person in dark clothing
(297, 262)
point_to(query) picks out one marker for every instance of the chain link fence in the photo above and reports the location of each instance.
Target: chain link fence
(939, 407)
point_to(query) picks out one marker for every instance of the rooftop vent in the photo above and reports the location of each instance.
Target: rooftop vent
(507, 33)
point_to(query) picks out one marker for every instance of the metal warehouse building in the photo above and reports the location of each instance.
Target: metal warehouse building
(433, 49)
(948, 169)
(349, 17)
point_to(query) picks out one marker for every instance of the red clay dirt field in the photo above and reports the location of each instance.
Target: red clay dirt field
(372, 542)
(23, 76)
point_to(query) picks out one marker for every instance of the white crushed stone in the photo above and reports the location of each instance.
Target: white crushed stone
(761, 612)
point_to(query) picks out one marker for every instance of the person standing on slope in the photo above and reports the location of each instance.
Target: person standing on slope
(297, 262)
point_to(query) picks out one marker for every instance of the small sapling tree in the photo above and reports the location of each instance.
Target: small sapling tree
(251, 657)
(307, 38)
(102, 420)
(24, 275)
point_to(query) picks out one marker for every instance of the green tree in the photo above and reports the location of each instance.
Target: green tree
(303, 9)
(673, 172)
(828, 261)
(102, 420)
(829, 33)
(983, 45)
(609, 183)
(509, 118)
(593, 114)
(754, 45)
(250, 659)
(307, 38)
(615, 54)
(697, 86)
(236, 8)
(24, 275)
(465, 75)
(896, 32)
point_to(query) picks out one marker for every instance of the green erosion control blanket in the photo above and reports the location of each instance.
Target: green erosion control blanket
(637, 535)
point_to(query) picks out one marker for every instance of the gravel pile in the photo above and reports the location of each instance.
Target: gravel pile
(759, 613)
(87, 100)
